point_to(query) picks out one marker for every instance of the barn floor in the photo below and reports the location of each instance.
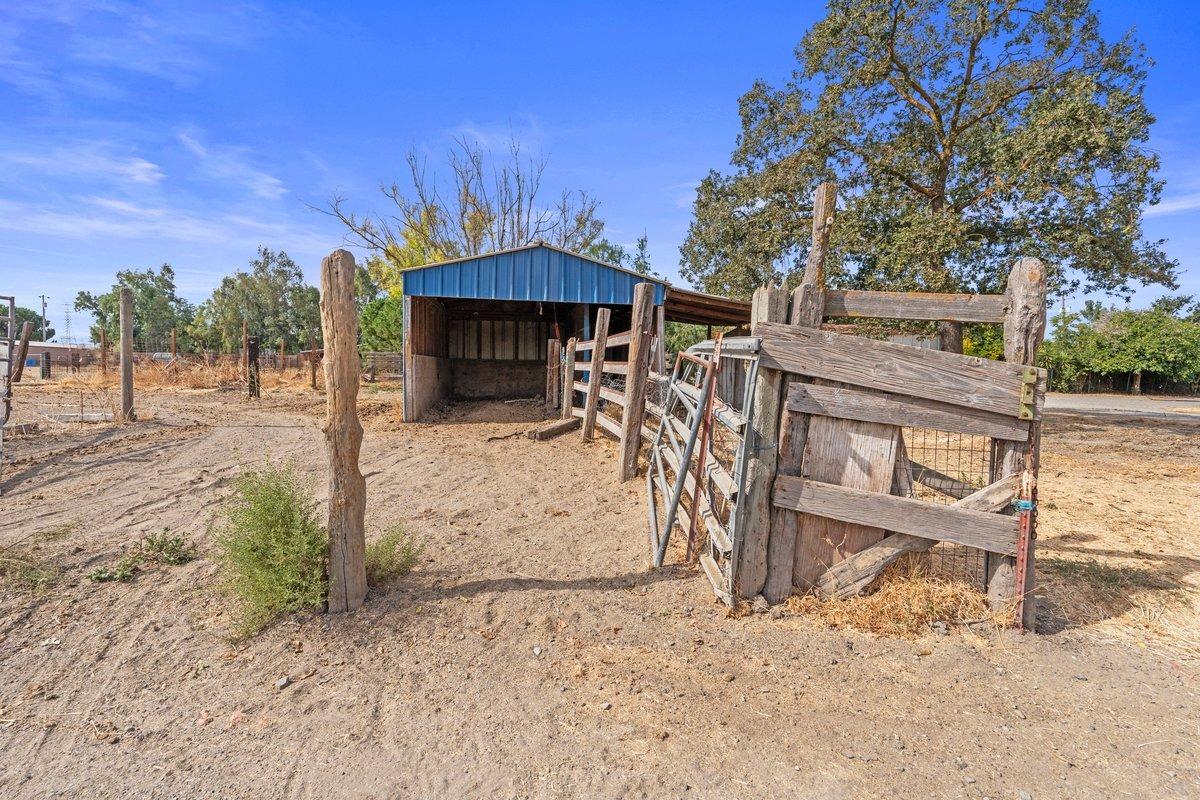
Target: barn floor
(532, 655)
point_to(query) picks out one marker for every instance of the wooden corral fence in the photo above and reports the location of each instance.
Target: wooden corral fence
(835, 498)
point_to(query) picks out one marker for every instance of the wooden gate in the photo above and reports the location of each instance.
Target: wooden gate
(834, 495)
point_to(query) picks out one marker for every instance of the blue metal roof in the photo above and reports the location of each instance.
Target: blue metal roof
(535, 272)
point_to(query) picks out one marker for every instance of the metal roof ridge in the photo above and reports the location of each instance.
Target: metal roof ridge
(543, 243)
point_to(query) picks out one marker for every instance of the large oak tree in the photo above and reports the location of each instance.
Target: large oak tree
(961, 133)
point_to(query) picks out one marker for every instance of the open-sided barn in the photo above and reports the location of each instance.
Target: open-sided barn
(479, 327)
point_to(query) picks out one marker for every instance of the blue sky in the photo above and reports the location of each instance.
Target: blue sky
(190, 133)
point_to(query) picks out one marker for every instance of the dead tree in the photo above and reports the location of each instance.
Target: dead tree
(343, 434)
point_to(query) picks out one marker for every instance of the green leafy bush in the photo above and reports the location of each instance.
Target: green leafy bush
(270, 547)
(392, 556)
(166, 548)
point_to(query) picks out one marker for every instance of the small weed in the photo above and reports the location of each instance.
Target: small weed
(25, 572)
(391, 556)
(59, 531)
(166, 548)
(271, 548)
(122, 571)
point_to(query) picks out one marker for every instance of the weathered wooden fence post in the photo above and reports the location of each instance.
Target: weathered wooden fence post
(553, 371)
(282, 353)
(127, 412)
(253, 379)
(640, 336)
(343, 434)
(103, 352)
(770, 305)
(312, 360)
(808, 308)
(595, 373)
(568, 392)
(245, 345)
(1024, 328)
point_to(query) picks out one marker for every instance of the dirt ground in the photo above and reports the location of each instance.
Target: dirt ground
(531, 655)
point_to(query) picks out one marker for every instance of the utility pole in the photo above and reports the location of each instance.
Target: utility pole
(44, 299)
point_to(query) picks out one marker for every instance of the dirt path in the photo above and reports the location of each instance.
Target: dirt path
(530, 655)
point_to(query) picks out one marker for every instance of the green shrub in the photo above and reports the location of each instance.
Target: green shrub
(270, 547)
(120, 572)
(392, 556)
(167, 549)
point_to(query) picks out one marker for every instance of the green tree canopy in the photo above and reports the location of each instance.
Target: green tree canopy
(962, 134)
(157, 308)
(35, 317)
(380, 324)
(637, 259)
(273, 299)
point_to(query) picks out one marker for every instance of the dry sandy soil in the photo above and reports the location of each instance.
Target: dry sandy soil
(532, 655)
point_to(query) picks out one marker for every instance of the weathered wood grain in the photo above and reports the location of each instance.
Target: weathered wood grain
(941, 482)
(855, 573)
(635, 380)
(949, 377)
(897, 409)
(915, 305)
(592, 404)
(343, 434)
(553, 428)
(991, 532)
(568, 395)
(770, 303)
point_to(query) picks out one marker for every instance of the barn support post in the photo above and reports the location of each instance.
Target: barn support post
(808, 306)
(343, 434)
(406, 359)
(126, 322)
(660, 350)
(640, 340)
(568, 392)
(553, 371)
(1024, 328)
(770, 304)
(595, 373)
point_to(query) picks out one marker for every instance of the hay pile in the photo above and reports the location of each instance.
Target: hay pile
(905, 601)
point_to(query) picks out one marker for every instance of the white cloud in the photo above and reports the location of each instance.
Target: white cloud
(232, 165)
(1179, 204)
(98, 159)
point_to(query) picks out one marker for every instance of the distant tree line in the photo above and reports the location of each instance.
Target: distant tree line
(1111, 348)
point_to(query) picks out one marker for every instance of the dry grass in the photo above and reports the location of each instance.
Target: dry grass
(24, 571)
(222, 375)
(904, 601)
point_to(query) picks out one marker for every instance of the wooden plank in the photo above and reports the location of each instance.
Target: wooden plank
(853, 455)
(635, 382)
(568, 380)
(941, 482)
(895, 409)
(991, 532)
(553, 428)
(616, 367)
(716, 579)
(1024, 328)
(915, 305)
(715, 529)
(609, 425)
(553, 371)
(606, 393)
(616, 340)
(851, 576)
(807, 310)
(933, 375)
(769, 306)
(593, 395)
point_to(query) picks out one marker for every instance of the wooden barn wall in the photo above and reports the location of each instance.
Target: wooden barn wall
(427, 364)
(497, 339)
(427, 327)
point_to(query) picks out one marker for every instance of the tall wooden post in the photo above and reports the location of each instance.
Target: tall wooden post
(127, 412)
(808, 307)
(312, 360)
(770, 304)
(568, 392)
(1024, 328)
(635, 380)
(253, 380)
(282, 353)
(343, 434)
(660, 327)
(245, 346)
(595, 373)
(553, 371)
(103, 352)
